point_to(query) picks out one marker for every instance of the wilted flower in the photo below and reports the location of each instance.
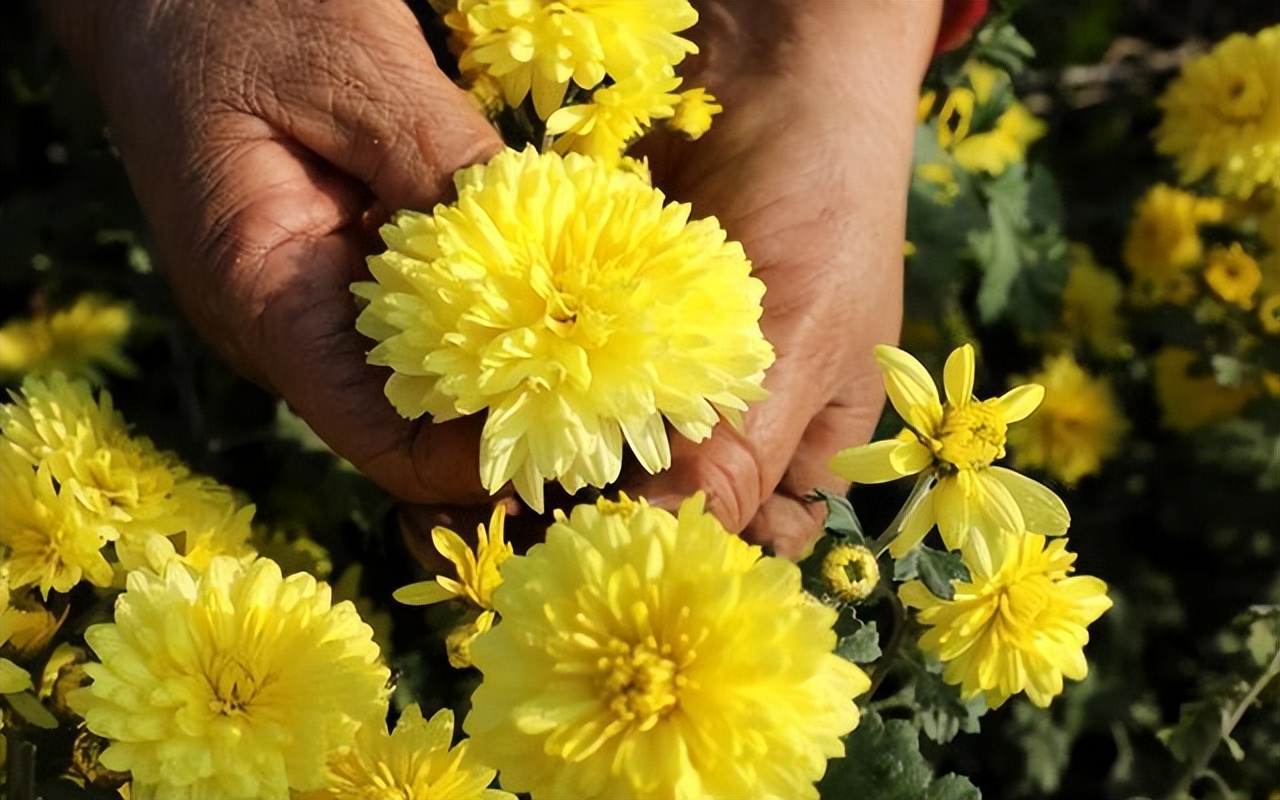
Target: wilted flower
(565, 298)
(78, 341)
(645, 655)
(957, 442)
(1018, 627)
(232, 683)
(1222, 115)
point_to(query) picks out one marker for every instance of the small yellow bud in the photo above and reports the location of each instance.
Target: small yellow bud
(850, 572)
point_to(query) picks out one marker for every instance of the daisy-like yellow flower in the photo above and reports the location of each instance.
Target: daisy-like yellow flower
(1091, 305)
(1189, 402)
(990, 151)
(539, 46)
(644, 655)
(478, 572)
(1077, 427)
(232, 683)
(1233, 275)
(850, 572)
(1222, 115)
(956, 444)
(414, 762)
(119, 479)
(615, 116)
(53, 544)
(565, 298)
(693, 113)
(1163, 243)
(1018, 627)
(1269, 313)
(80, 340)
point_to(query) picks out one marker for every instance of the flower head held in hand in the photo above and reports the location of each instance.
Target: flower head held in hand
(233, 683)
(568, 301)
(642, 654)
(958, 441)
(1018, 627)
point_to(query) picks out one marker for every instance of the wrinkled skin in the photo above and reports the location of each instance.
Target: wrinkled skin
(262, 137)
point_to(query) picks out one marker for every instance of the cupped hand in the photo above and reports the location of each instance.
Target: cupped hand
(808, 166)
(258, 136)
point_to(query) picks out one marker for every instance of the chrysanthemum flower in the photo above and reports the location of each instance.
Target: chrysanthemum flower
(1163, 243)
(615, 116)
(1269, 313)
(213, 523)
(1091, 305)
(1222, 115)
(415, 762)
(233, 683)
(118, 478)
(957, 442)
(1018, 627)
(52, 542)
(1077, 427)
(540, 46)
(564, 297)
(25, 624)
(850, 572)
(79, 340)
(1233, 274)
(1189, 402)
(693, 113)
(645, 655)
(992, 150)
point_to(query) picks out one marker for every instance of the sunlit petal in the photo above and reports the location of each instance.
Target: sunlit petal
(1018, 403)
(957, 375)
(1042, 510)
(910, 388)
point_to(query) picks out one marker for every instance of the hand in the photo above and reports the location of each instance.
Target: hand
(258, 137)
(808, 166)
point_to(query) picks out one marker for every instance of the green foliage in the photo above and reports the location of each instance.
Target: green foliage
(884, 763)
(862, 646)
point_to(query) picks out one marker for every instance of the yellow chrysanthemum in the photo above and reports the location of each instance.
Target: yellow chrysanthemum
(692, 118)
(13, 678)
(957, 442)
(1187, 401)
(79, 340)
(850, 572)
(213, 522)
(52, 542)
(1233, 274)
(993, 150)
(119, 479)
(414, 762)
(1222, 115)
(1091, 305)
(1269, 313)
(615, 116)
(1019, 627)
(540, 46)
(25, 624)
(1077, 427)
(1163, 243)
(641, 655)
(568, 301)
(478, 572)
(232, 683)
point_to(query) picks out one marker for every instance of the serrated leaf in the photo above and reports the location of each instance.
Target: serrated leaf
(884, 763)
(907, 567)
(842, 520)
(861, 647)
(938, 569)
(953, 787)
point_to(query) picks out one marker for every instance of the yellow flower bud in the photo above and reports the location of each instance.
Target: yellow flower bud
(850, 572)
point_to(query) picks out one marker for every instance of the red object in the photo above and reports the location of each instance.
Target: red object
(959, 18)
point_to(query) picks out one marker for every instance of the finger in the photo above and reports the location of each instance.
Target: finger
(373, 103)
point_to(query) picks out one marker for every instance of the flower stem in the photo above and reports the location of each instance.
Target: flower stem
(923, 484)
(890, 652)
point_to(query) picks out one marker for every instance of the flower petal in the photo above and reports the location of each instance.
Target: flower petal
(914, 528)
(952, 509)
(1042, 510)
(957, 375)
(878, 462)
(910, 387)
(423, 593)
(1018, 403)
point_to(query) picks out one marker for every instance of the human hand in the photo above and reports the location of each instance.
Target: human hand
(257, 137)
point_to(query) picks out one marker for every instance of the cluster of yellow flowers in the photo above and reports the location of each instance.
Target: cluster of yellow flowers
(79, 341)
(1018, 623)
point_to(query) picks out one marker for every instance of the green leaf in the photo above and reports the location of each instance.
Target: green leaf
(842, 521)
(884, 763)
(32, 710)
(1200, 725)
(953, 787)
(862, 647)
(908, 567)
(938, 569)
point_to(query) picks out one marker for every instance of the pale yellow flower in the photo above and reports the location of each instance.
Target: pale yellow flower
(212, 522)
(1018, 628)
(643, 655)
(615, 116)
(957, 444)
(232, 683)
(414, 762)
(1091, 305)
(1233, 275)
(850, 572)
(693, 114)
(1077, 427)
(52, 542)
(993, 150)
(1222, 115)
(80, 341)
(1163, 243)
(539, 47)
(1187, 401)
(565, 298)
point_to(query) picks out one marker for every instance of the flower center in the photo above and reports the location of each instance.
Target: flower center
(1022, 603)
(1244, 100)
(641, 682)
(971, 436)
(562, 312)
(233, 687)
